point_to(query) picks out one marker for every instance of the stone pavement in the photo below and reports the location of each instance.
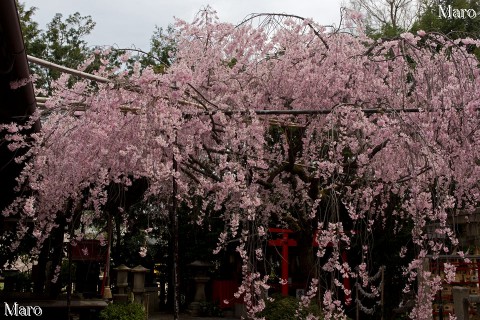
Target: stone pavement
(183, 316)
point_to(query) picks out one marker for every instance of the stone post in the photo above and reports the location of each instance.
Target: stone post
(138, 282)
(460, 302)
(122, 278)
(201, 280)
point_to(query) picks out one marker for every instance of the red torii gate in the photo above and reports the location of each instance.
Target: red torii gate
(283, 242)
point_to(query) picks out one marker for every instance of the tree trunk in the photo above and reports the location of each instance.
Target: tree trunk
(53, 289)
(41, 267)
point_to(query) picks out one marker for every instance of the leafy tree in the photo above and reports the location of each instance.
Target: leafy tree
(431, 19)
(63, 42)
(159, 57)
(30, 29)
(162, 49)
(386, 18)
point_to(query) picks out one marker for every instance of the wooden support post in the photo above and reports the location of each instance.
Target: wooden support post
(106, 293)
(174, 222)
(382, 292)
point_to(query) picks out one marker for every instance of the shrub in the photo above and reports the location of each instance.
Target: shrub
(123, 311)
(210, 309)
(283, 308)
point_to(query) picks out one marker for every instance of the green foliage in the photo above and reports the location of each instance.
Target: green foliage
(210, 309)
(432, 21)
(162, 49)
(31, 31)
(284, 308)
(63, 42)
(159, 57)
(386, 31)
(428, 18)
(22, 281)
(128, 242)
(67, 273)
(64, 39)
(123, 311)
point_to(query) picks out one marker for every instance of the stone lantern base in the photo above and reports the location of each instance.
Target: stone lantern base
(194, 307)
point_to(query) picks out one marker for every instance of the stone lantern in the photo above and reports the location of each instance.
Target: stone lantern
(138, 282)
(122, 278)
(201, 278)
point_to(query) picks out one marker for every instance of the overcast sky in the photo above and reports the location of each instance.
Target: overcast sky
(130, 23)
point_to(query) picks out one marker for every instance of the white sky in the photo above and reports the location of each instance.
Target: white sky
(130, 23)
